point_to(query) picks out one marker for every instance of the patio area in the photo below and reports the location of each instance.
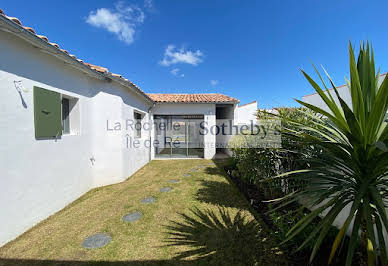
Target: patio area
(170, 212)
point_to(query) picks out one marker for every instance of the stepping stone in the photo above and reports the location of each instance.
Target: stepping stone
(148, 200)
(194, 170)
(186, 175)
(96, 241)
(131, 217)
(165, 189)
(201, 166)
(173, 181)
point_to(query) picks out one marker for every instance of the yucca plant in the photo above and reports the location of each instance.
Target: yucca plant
(348, 176)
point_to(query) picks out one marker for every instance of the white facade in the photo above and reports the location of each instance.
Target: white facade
(40, 177)
(343, 91)
(247, 113)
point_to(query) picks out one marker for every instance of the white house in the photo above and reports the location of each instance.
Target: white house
(246, 113)
(343, 91)
(69, 126)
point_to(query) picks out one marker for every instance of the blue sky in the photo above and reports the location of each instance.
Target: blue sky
(251, 50)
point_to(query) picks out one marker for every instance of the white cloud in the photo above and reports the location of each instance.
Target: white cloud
(174, 56)
(175, 71)
(214, 82)
(121, 21)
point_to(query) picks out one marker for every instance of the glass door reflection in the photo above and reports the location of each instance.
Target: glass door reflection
(178, 136)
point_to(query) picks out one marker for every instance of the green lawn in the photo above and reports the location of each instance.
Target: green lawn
(204, 220)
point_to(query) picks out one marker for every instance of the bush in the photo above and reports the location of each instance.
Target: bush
(254, 165)
(284, 220)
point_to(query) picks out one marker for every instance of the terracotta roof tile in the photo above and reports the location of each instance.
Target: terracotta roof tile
(43, 37)
(30, 29)
(192, 98)
(16, 20)
(63, 50)
(97, 68)
(54, 44)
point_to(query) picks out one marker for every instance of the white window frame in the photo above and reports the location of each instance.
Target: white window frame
(138, 131)
(73, 117)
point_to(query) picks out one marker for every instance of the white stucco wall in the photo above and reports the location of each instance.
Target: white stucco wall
(40, 177)
(206, 109)
(246, 113)
(343, 91)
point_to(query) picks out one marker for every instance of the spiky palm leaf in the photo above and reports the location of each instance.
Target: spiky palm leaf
(351, 168)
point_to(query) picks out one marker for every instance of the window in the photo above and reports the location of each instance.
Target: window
(65, 116)
(55, 114)
(70, 115)
(137, 117)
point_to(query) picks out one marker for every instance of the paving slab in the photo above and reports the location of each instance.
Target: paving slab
(165, 189)
(96, 241)
(131, 217)
(148, 200)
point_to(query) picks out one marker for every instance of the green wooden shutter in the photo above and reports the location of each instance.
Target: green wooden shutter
(47, 113)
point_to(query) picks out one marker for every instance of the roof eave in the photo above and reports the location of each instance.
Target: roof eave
(127, 83)
(33, 39)
(19, 31)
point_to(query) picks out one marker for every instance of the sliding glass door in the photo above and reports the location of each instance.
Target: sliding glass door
(178, 136)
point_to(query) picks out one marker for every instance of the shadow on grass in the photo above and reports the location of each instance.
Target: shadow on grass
(212, 170)
(223, 194)
(218, 238)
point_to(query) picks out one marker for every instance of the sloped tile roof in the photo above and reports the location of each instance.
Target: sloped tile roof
(99, 69)
(173, 98)
(192, 98)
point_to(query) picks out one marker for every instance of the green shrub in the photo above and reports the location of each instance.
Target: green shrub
(284, 220)
(255, 165)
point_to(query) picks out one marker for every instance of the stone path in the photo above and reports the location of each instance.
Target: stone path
(96, 241)
(148, 200)
(99, 240)
(131, 217)
(165, 189)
